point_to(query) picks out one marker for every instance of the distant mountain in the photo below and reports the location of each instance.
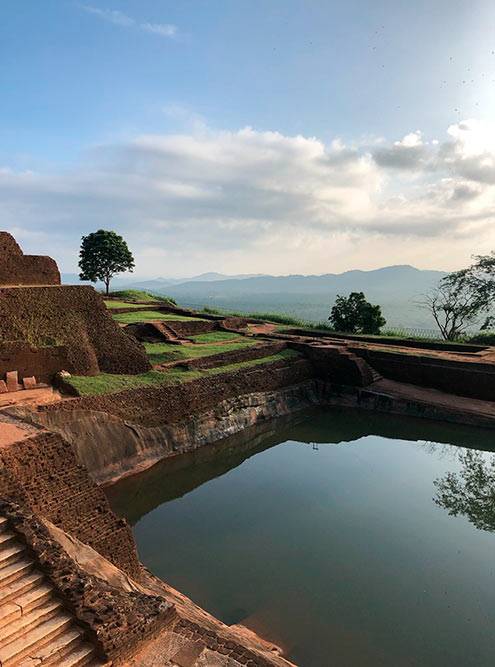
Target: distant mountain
(396, 288)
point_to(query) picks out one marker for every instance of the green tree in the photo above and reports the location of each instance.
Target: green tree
(461, 298)
(103, 254)
(353, 314)
(471, 492)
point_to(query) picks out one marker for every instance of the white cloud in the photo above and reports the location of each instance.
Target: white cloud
(264, 201)
(121, 19)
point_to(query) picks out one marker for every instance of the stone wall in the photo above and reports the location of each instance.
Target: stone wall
(167, 404)
(19, 269)
(473, 379)
(116, 621)
(74, 317)
(42, 362)
(42, 474)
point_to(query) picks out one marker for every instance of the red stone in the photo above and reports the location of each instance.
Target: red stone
(3, 387)
(29, 383)
(12, 381)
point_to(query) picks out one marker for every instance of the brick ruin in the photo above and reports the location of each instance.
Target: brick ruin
(16, 268)
(46, 327)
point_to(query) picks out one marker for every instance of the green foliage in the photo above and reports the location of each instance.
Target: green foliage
(482, 338)
(106, 383)
(103, 254)
(135, 295)
(353, 314)
(149, 315)
(471, 492)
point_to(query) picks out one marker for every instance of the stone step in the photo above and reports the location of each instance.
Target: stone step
(34, 642)
(35, 597)
(10, 553)
(61, 646)
(29, 621)
(6, 536)
(19, 587)
(15, 570)
(3, 524)
(84, 654)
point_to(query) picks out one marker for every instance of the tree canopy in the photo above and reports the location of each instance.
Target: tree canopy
(471, 492)
(462, 298)
(103, 254)
(353, 314)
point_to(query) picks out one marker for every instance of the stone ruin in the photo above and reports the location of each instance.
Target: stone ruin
(16, 268)
(46, 327)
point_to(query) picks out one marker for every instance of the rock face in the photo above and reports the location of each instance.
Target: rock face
(16, 268)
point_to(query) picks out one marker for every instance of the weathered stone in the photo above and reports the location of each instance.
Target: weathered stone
(29, 382)
(12, 381)
(3, 387)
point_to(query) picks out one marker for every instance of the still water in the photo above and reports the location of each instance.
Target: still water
(334, 535)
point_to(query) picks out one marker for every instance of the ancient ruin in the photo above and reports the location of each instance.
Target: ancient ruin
(17, 269)
(72, 588)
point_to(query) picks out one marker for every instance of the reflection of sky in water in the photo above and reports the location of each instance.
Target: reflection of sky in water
(335, 550)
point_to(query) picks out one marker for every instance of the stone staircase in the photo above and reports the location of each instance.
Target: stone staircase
(35, 629)
(171, 336)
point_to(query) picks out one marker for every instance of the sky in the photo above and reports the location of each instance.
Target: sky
(250, 136)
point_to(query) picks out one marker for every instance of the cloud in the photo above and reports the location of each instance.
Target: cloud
(264, 201)
(119, 18)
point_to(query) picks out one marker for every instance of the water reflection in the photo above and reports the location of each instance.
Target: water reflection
(321, 533)
(471, 491)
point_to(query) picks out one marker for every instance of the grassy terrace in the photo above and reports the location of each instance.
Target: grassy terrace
(160, 353)
(149, 315)
(106, 383)
(121, 304)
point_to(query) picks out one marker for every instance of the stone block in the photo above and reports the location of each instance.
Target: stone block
(3, 387)
(12, 381)
(29, 383)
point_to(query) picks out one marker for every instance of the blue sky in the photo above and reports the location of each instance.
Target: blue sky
(109, 108)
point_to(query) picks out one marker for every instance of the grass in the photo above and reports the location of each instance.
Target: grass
(277, 318)
(148, 315)
(107, 384)
(158, 353)
(121, 304)
(141, 295)
(214, 336)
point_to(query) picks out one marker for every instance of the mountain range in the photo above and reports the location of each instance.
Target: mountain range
(396, 288)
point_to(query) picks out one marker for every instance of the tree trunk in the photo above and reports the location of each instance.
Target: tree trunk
(107, 285)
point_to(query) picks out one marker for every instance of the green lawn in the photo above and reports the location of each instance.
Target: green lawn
(106, 383)
(122, 304)
(214, 336)
(148, 315)
(159, 353)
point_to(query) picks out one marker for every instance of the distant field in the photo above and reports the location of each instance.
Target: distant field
(149, 315)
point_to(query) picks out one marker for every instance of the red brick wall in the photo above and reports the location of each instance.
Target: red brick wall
(19, 269)
(42, 474)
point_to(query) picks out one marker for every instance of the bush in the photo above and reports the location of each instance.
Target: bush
(482, 338)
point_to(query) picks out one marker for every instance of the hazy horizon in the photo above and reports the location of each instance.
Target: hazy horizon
(282, 138)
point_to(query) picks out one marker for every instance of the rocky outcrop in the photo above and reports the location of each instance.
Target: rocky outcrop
(110, 447)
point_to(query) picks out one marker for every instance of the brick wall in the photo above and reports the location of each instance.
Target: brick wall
(42, 474)
(19, 269)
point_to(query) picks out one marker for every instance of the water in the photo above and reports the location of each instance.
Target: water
(324, 536)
